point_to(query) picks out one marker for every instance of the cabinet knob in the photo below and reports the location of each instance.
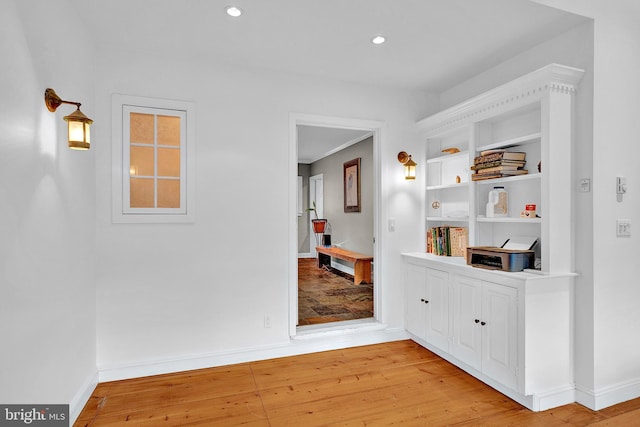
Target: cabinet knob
(477, 320)
(483, 323)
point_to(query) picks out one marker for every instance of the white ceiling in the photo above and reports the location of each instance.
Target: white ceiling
(315, 143)
(432, 44)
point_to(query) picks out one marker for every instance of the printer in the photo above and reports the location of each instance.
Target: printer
(516, 254)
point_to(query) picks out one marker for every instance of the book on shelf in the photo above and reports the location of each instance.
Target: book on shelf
(447, 240)
(514, 164)
(498, 174)
(491, 156)
(503, 168)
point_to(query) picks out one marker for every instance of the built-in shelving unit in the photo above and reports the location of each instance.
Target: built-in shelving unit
(532, 115)
(511, 330)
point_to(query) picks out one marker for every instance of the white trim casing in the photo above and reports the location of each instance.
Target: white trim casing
(82, 397)
(120, 213)
(608, 396)
(376, 128)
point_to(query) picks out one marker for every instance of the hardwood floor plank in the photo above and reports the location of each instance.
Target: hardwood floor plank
(440, 399)
(175, 389)
(621, 408)
(385, 384)
(629, 419)
(303, 369)
(240, 409)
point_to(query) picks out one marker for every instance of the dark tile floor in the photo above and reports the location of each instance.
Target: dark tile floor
(330, 296)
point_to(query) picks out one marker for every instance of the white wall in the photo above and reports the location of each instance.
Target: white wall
(607, 355)
(47, 210)
(168, 292)
(353, 230)
(615, 366)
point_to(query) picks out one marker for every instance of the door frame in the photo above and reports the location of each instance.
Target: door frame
(376, 128)
(313, 197)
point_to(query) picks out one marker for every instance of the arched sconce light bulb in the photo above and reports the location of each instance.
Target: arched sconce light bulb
(79, 125)
(409, 165)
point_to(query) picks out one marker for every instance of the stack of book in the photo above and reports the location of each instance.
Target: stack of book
(447, 241)
(497, 164)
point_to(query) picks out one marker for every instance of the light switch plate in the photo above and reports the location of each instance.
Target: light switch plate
(623, 228)
(585, 185)
(621, 185)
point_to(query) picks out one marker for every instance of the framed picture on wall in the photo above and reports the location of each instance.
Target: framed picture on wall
(352, 185)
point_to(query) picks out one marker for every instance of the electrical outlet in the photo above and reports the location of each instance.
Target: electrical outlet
(267, 321)
(623, 228)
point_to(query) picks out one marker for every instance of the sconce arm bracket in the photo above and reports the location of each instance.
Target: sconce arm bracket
(53, 101)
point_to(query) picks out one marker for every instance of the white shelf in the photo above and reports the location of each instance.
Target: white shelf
(531, 114)
(445, 186)
(521, 140)
(446, 157)
(494, 181)
(507, 219)
(448, 218)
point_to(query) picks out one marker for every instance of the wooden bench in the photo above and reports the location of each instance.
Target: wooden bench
(361, 263)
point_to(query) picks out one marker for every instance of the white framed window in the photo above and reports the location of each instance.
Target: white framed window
(153, 160)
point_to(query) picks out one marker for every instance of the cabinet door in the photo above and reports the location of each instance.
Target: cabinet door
(499, 333)
(437, 308)
(415, 300)
(467, 311)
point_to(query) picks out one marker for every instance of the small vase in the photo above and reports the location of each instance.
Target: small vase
(319, 225)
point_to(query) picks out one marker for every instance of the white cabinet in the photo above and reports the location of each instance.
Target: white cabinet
(514, 331)
(485, 328)
(467, 333)
(427, 299)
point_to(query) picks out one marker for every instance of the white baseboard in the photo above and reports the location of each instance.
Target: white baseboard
(82, 397)
(608, 396)
(537, 402)
(554, 398)
(306, 342)
(341, 267)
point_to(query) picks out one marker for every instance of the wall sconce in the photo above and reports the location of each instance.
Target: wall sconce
(409, 165)
(78, 132)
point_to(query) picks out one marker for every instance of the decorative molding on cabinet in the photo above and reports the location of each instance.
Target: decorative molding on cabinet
(512, 95)
(527, 356)
(532, 114)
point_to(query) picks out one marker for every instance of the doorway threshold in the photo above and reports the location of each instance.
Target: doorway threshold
(338, 328)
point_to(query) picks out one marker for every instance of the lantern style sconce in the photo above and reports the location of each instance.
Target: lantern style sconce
(78, 124)
(409, 165)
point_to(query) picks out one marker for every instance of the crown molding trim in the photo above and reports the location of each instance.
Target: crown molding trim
(518, 93)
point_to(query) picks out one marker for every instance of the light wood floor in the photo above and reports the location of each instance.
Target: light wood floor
(384, 384)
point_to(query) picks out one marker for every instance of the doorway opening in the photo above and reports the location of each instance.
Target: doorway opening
(317, 171)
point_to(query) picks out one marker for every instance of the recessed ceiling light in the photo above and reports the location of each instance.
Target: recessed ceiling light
(378, 39)
(233, 11)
